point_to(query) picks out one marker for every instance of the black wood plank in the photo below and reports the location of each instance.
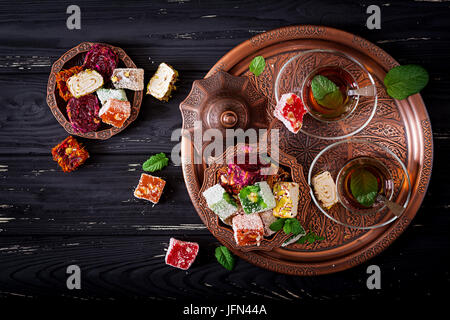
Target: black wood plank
(119, 267)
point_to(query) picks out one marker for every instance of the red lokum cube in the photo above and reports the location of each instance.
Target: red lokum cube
(248, 229)
(102, 59)
(69, 154)
(83, 113)
(181, 254)
(115, 112)
(149, 188)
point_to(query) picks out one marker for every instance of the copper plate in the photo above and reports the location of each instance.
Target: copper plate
(75, 57)
(403, 126)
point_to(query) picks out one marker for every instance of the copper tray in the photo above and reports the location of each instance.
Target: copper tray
(403, 126)
(75, 57)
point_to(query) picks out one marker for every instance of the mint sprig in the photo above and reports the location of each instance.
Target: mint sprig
(326, 92)
(289, 225)
(224, 257)
(257, 65)
(403, 81)
(310, 237)
(155, 162)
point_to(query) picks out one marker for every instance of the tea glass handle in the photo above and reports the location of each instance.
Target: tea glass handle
(368, 91)
(393, 206)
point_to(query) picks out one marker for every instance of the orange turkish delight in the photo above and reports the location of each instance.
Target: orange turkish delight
(61, 81)
(149, 188)
(69, 154)
(115, 112)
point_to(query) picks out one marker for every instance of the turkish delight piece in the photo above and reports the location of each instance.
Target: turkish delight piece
(181, 254)
(115, 112)
(105, 94)
(220, 202)
(84, 82)
(267, 219)
(103, 59)
(149, 188)
(83, 113)
(286, 197)
(290, 110)
(163, 82)
(61, 81)
(69, 154)
(128, 78)
(325, 189)
(248, 229)
(257, 198)
(235, 178)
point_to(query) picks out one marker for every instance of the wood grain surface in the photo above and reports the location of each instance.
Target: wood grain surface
(49, 220)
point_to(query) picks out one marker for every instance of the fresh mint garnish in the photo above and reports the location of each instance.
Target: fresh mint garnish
(403, 81)
(310, 237)
(257, 65)
(326, 92)
(155, 162)
(364, 187)
(289, 225)
(224, 257)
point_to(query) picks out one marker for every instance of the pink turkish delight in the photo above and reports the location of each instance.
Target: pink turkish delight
(102, 59)
(181, 254)
(83, 113)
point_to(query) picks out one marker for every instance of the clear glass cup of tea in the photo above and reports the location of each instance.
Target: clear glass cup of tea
(357, 165)
(357, 92)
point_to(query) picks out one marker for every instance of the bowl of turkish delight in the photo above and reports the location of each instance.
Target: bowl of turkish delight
(251, 201)
(95, 90)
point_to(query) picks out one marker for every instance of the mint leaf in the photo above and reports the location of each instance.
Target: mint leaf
(277, 225)
(311, 237)
(155, 162)
(364, 187)
(403, 81)
(257, 65)
(292, 225)
(321, 86)
(332, 100)
(224, 257)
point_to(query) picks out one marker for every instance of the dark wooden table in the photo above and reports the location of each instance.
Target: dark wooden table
(49, 220)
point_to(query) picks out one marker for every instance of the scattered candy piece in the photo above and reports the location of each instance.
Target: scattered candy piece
(286, 197)
(105, 94)
(115, 112)
(128, 78)
(84, 82)
(290, 110)
(61, 81)
(162, 83)
(102, 59)
(149, 188)
(69, 154)
(181, 254)
(248, 229)
(83, 113)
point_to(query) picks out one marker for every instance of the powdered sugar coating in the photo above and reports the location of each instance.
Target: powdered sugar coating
(181, 254)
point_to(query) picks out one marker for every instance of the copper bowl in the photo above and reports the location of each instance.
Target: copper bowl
(224, 232)
(75, 57)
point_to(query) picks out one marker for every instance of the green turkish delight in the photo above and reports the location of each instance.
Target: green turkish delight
(257, 198)
(220, 202)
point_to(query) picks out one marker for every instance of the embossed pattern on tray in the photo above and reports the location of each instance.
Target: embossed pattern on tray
(394, 126)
